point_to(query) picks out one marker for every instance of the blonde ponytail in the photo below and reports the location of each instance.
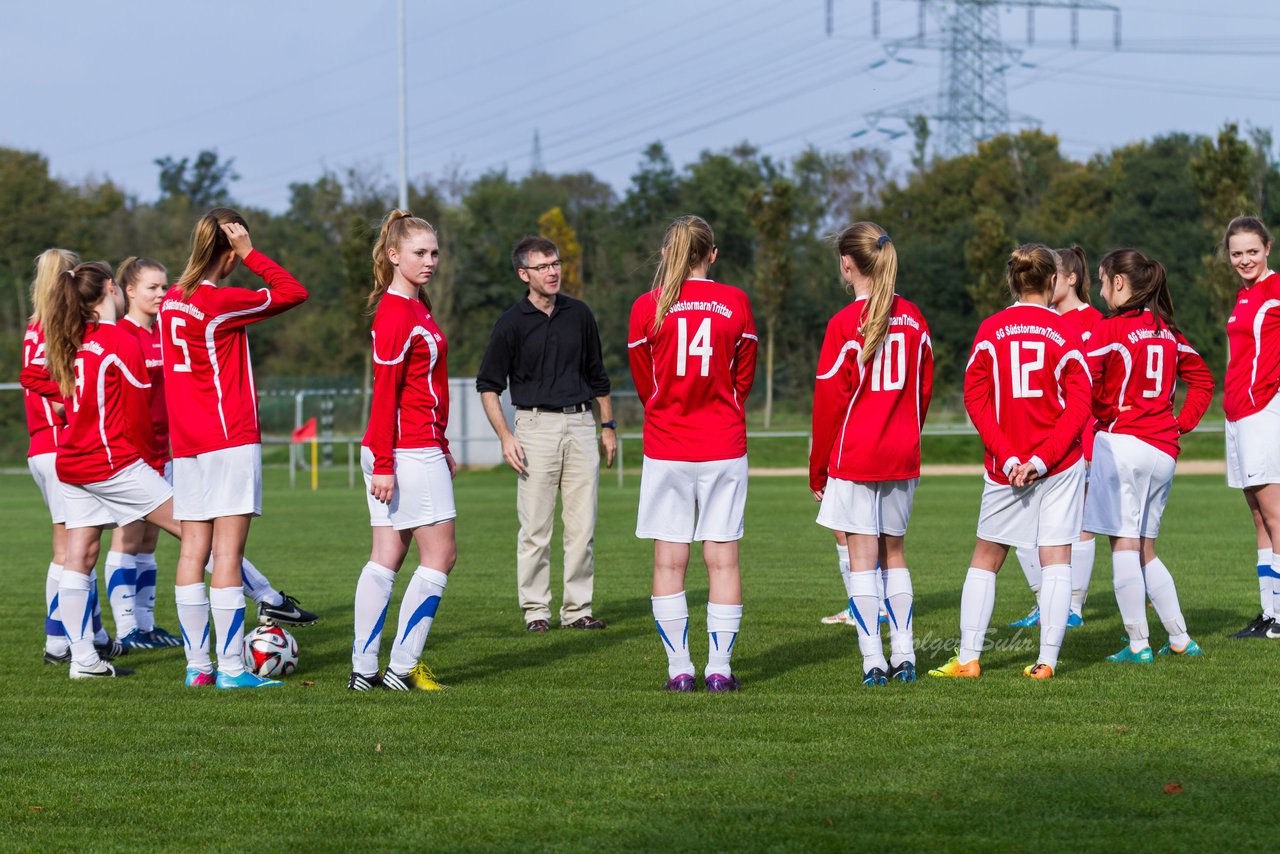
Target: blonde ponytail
(687, 243)
(50, 264)
(208, 244)
(868, 246)
(396, 226)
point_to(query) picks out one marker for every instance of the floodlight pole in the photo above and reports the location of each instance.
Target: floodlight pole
(404, 117)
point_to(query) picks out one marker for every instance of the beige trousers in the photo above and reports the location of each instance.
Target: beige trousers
(560, 455)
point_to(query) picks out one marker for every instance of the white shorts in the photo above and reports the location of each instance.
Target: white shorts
(684, 502)
(226, 482)
(1253, 448)
(44, 468)
(127, 497)
(867, 507)
(1130, 487)
(1049, 512)
(423, 493)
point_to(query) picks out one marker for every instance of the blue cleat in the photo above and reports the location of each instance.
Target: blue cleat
(904, 672)
(198, 678)
(1032, 619)
(875, 677)
(138, 639)
(1128, 656)
(1074, 620)
(163, 638)
(245, 680)
(1192, 648)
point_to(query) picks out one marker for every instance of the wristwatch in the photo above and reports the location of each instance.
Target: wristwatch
(609, 425)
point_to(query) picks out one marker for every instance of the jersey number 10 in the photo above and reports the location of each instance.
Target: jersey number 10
(700, 346)
(889, 367)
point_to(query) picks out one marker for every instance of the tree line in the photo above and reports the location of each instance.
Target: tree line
(953, 222)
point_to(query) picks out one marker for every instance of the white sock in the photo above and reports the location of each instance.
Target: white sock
(144, 602)
(55, 636)
(883, 576)
(193, 622)
(1029, 560)
(843, 553)
(227, 607)
(671, 614)
(1268, 589)
(1055, 607)
(122, 583)
(73, 597)
(100, 635)
(1082, 554)
(1164, 596)
(723, 623)
(977, 599)
(865, 604)
(900, 599)
(1131, 596)
(256, 585)
(373, 597)
(417, 612)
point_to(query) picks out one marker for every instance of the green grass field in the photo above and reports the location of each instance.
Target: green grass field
(564, 741)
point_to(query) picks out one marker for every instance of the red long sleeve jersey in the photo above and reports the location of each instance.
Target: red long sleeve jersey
(867, 416)
(1253, 339)
(208, 375)
(149, 341)
(44, 424)
(695, 372)
(1135, 367)
(1083, 319)
(109, 423)
(1026, 389)
(410, 407)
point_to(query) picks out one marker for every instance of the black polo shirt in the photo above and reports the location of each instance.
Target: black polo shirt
(549, 360)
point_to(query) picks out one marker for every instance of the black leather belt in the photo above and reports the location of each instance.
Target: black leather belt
(567, 410)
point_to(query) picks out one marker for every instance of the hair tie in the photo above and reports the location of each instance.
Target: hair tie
(882, 240)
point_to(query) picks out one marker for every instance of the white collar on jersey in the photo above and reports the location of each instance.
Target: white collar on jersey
(398, 294)
(1036, 305)
(698, 279)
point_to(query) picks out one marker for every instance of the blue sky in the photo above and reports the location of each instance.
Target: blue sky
(291, 88)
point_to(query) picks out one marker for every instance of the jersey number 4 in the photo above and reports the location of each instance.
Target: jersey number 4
(699, 346)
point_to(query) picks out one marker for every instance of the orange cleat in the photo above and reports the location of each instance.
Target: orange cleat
(955, 669)
(1038, 671)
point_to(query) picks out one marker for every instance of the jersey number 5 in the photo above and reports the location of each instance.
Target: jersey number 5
(699, 346)
(1025, 357)
(174, 325)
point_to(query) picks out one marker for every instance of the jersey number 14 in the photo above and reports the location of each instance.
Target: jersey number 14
(699, 346)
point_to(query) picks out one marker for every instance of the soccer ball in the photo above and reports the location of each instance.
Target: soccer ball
(270, 651)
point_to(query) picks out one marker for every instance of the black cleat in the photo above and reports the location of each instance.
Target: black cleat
(1256, 629)
(287, 613)
(360, 682)
(903, 672)
(112, 649)
(55, 658)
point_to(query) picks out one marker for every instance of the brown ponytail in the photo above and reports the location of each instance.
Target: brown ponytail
(688, 242)
(1031, 269)
(868, 246)
(1072, 261)
(69, 311)
(396, 226)
(1148, 281)
(208, 245)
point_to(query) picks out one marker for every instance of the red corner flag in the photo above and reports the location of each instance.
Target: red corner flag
(306, 432)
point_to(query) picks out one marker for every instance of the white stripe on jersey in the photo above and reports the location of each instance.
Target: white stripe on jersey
(844, 424)
(213, 355)
(995, 369)
(1128, 370)
(1057, 373)
(848, 345)
(434, 349)
(102, 397)
(1258, 320)
(631, 345)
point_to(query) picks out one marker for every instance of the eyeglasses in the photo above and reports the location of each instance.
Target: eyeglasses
(541, 269)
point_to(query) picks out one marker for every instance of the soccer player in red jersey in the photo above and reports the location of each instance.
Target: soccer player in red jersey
(1071, 300)
(107, 462)
(875, 380)
(406, 461)
(217, 451)
(1026, 388)
(45, 422)
(1136, 356)
(1252, 406)
(692, 348)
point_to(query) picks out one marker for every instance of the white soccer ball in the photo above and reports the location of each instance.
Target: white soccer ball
(270, 652)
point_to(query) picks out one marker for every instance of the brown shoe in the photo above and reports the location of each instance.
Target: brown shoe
(538, 626)
(588, 622)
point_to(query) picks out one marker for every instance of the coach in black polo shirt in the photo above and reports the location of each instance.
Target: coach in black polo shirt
(548, 347)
